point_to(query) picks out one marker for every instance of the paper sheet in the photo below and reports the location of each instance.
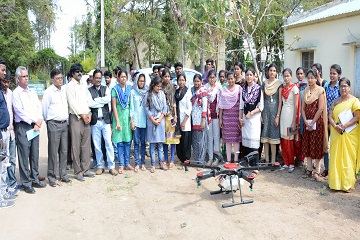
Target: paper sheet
(345, 117)
(314, 126)
(31, 134)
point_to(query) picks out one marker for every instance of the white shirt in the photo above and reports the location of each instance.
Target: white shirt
(27, 106)
(77, 96)
(185, 107)
(99, 102)
(54, 104)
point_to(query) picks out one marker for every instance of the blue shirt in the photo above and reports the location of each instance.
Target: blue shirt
(4, 113)
(332, 93)
(137, 110)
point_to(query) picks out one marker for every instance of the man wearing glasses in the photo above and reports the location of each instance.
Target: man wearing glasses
(100, 123)
(79, 119)
(55, 113)
(28, 118)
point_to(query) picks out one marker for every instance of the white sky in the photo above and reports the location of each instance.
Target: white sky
(70, 10)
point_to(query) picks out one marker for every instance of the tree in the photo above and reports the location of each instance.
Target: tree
(16, 36)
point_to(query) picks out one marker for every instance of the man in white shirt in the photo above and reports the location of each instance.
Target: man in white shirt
(79, 119)
(55, 113)
(28, 118)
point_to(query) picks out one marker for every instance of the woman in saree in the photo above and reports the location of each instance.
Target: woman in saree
(344, 141)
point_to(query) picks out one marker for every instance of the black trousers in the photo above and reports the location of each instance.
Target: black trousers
(57, 149)
(183, 149)
(28, 154)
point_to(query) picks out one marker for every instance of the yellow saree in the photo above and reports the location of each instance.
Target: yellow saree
(343, 165)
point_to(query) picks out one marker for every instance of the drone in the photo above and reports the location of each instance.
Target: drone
(231, 176)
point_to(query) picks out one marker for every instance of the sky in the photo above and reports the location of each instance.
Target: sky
(70, 10)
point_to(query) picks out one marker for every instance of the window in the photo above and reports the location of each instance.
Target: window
(307, 60)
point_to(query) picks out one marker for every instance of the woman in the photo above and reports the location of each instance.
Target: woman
(289, 120)
(200, 118)
(121, 131)
(318, 68)
(332, 92)
(344, 161)
(138, 120)
(183, 108)
(156, 108)
(238, 70)
(213, 142)
(229, 103)
(170, 118)
(313, 111)
(301, 84)
(270, 134)
(251, 105)
(222, 78)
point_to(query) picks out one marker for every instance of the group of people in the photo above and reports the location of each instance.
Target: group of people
(226, 108)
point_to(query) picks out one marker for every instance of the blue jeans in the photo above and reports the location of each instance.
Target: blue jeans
(124, 153)
(102, 129)
(139, 142)
(166, 152)
(11, 178)
(159, 147)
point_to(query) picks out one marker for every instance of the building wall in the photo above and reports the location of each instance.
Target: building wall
(326, 38)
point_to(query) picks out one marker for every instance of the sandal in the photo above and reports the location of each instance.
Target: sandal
(129, 167)
(317, 177)
(152, 170)
(255, 173)
(121, 169)
(136, 169)
(307, 174)
(171, 165)
(143, 168)
(163, 166)
(350, 190)
(324, 173)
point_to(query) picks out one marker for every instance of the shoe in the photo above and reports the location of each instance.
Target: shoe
(7, 204)
(9, 197)
(284, 167)
(29, 190)
(89, 174)
(113, 172)
(13, 191)
(52, 184)
(80, 177)
(38, 185)
(93, 164)
(291, 168)
(308, 174)
(41, 178)
(129, 167)
(66, 180)
(99, 171)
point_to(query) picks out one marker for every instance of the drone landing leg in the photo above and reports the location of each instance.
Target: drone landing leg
(233, 203)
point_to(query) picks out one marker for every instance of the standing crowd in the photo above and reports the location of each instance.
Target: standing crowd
(228, 113)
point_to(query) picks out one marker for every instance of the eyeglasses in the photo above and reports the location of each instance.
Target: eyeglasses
(141, 81)
(58, 78)
(344, 86)
(78, 71)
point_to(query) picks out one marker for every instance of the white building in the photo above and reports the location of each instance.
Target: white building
(328, 34)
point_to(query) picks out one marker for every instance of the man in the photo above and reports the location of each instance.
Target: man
(100, 123)
(11, 178)
(55, 113)
(5, 199)
(155, 70)
(178, 70)
(90, 80)
(28, 118)
(79, 119)
(69, 159)
(108, 80)
(209, 65)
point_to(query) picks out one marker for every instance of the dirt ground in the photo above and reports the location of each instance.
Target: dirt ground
(167, 205)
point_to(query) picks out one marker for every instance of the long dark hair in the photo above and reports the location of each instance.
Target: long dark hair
(155, 81)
